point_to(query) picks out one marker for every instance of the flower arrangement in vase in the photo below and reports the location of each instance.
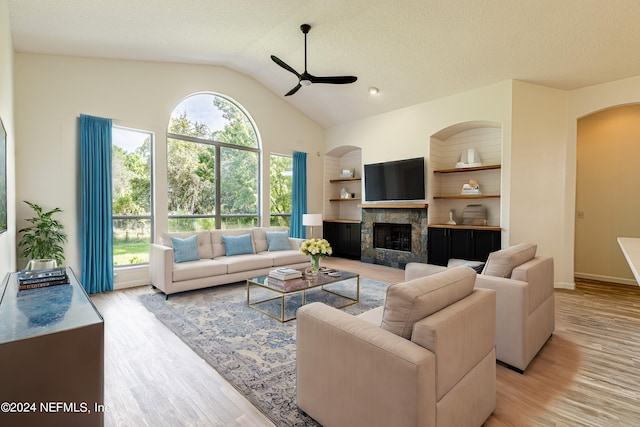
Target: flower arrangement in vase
(316, 249)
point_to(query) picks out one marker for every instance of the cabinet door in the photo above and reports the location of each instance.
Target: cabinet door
(460, 244)
(329, 233)
(483, 243)
(354, 241)
(343, 239)
(438, 246)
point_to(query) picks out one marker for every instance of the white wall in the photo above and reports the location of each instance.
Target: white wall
(539, 195)
(583, 102)
(52, 91)
(7, 239)
(534, 131)
(607, 192)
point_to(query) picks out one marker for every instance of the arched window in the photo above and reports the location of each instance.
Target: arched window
(213, 165)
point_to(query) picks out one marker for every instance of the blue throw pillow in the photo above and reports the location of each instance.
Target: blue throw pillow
(185, 249)
(238, 245)
(278, 241)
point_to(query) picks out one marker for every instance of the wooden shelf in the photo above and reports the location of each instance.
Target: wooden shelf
(469, 196)
(345, 179)
(344, 221)
(467, 227)
(394, 205)
(476, 168)
(350, 199)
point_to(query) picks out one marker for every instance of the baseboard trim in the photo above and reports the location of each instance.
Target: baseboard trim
(564, 285)
(601, 278)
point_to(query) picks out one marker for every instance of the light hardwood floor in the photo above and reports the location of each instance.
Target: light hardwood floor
(588, 373)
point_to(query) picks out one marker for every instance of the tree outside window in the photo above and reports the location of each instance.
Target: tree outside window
(213, 166)
(281, 182)
(131, 195)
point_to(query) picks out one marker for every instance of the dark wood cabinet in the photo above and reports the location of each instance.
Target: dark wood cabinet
(344, 238)
(461, 243)
(52, 352)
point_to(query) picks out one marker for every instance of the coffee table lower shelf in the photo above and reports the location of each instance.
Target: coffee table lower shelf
(289, 289)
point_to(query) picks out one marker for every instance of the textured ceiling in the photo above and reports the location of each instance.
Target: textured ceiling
(413, 50)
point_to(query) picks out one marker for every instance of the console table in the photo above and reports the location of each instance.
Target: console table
(51, 356)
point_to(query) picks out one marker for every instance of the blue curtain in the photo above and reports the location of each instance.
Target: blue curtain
(298, 194)
(97, 226)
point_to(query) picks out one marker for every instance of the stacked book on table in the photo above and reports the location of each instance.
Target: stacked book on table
(31, 279)
(285, 273)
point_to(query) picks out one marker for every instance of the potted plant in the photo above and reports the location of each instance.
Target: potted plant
(42, 240)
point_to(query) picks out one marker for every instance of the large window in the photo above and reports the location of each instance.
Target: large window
(131, 195)
(213, 166)
(281, 179)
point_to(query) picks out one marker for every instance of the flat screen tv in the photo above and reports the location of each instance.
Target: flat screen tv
(397, 180)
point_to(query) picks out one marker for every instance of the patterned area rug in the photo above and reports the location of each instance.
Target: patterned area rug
(253, 352)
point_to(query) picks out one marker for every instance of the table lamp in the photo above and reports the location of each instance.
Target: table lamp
(309, 220)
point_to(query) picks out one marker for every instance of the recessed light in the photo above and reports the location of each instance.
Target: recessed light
(373, 90)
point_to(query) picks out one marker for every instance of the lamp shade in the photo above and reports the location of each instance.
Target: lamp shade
(311, 219)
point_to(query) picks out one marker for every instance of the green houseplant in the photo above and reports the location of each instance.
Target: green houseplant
(43, 239)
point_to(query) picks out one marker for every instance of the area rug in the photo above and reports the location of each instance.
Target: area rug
(253, 352)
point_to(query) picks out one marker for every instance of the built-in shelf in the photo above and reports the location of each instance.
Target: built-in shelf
(345, 179)
(467, 227)
(344, 221)
(469, 196)
(473, 169)
(349, 199)
(394, 205)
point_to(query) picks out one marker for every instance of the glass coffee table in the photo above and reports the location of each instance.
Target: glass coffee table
(275, 297)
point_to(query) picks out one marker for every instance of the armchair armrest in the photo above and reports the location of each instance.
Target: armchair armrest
(538, 273)
(414, 270)
(339, 360)
(512, 309)
(161, 266)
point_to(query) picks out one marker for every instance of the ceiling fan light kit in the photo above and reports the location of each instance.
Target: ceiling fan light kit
(306, 79)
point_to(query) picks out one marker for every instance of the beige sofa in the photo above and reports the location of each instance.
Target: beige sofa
(214, 267)
(525, 300)
(426, 358)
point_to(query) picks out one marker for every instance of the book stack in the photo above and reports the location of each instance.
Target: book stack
(31, 279)
(285, 273)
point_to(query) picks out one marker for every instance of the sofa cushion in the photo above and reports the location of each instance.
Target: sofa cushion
(198, 270)
(409, 302)
(185, 249)
(218, 245)
(204, 241)
(501, 263)
(238, 245)
(260, 237)
(281, 258)
(278, 241)
(239, 263)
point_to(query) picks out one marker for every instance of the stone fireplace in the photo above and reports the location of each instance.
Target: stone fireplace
(394, 234)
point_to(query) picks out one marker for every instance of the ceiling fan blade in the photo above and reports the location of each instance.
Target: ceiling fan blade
(281, 63)
(336, 80)
(294, 90)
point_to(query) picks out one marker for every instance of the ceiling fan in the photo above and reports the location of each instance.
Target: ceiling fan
(306, 79)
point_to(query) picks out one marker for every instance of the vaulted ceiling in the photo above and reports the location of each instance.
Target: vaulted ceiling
(412, 50)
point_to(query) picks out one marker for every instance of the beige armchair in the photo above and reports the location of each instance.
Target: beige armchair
(525, 311)
(426, 358)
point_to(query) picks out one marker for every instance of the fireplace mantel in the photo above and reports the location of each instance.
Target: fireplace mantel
(393, 205)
